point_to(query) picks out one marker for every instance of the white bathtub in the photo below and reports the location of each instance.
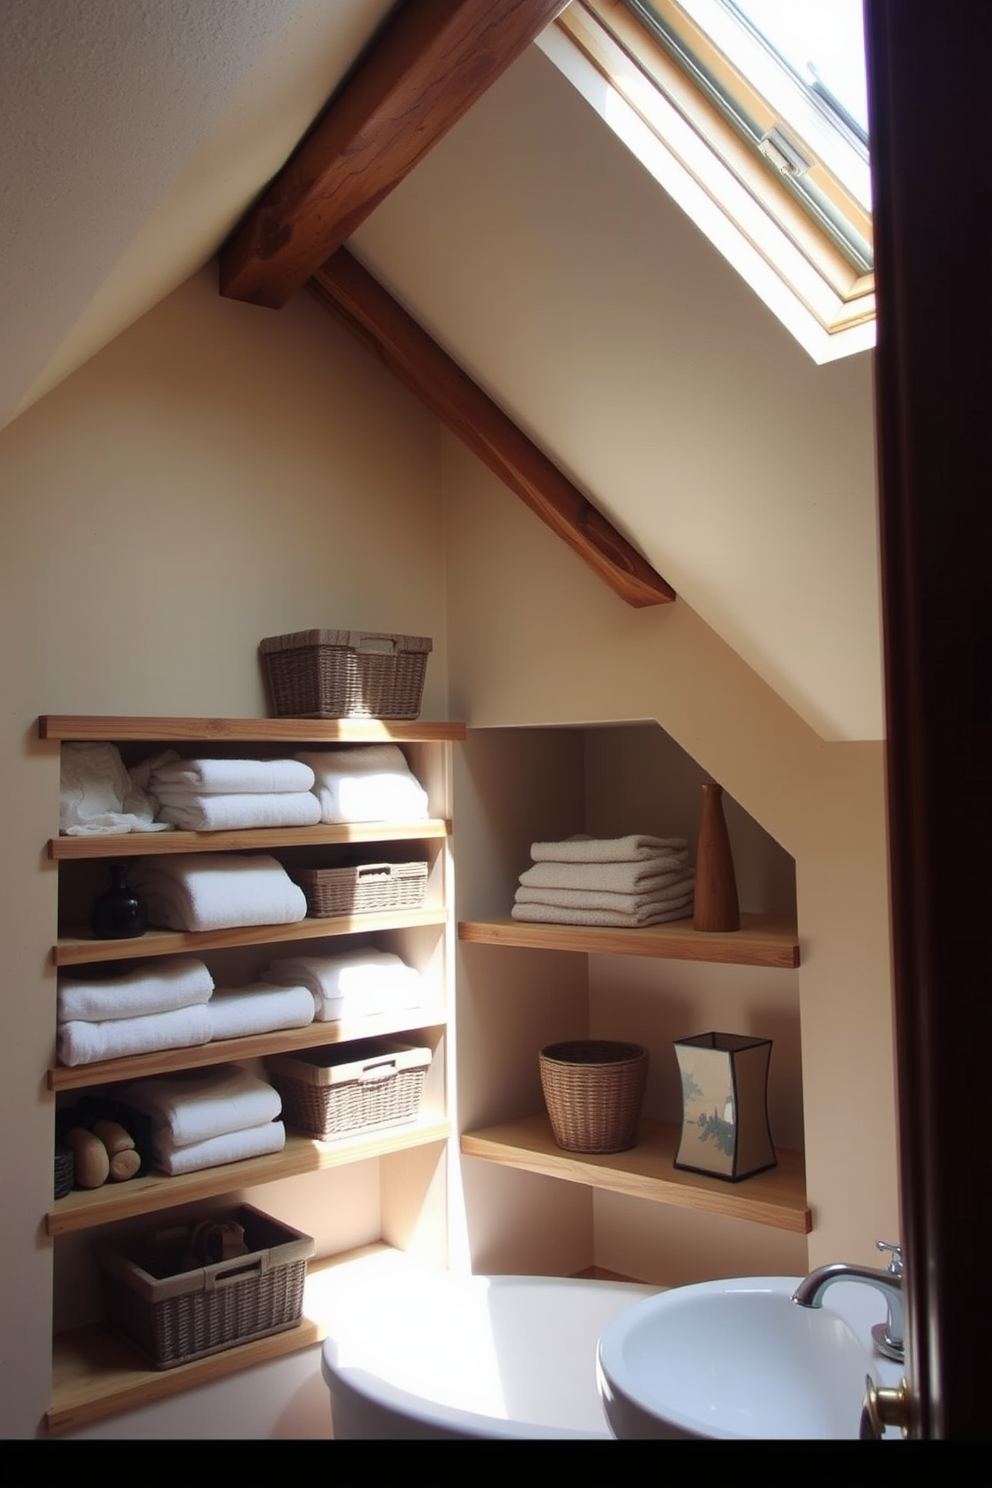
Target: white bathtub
(468, 1356)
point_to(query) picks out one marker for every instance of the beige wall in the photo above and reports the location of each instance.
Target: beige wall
(217, 474)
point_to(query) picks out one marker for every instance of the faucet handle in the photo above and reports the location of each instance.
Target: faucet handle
(895, 1254)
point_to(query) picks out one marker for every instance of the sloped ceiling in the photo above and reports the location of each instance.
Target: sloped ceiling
(529, 243)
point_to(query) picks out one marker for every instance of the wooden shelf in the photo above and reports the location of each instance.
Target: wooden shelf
(95, 1375)
(250, 1046)
(85, 728)
(776, 1198)
(762, 940)
(83, 947)
(84, 1209)
(254, 839)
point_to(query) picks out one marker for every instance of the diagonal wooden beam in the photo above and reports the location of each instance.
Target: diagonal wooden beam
(355, 298)
(435, 58)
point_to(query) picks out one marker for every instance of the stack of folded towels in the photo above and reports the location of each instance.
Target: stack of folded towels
(356, 984)
(169, 1003)
(216, 891)
(218, 795)
(139, 1008)
(204, 1118)
(370, 783)
(624, 881)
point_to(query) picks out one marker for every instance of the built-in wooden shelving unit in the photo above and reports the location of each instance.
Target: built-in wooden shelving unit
(96, 1375)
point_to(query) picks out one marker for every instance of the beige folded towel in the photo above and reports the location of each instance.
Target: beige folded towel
(584, 849)
(647, 876)
(552, 914)
(677, 893)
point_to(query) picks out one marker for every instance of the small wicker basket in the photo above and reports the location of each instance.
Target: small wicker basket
(362, 888)
(336, 1091)
(594, 1090)
(345, 674)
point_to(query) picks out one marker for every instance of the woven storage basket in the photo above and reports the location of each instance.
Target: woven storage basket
(362, 888)
(345, 674)
(339, 1090)
(594, 1090)
(65, 1170)
(175, 1316)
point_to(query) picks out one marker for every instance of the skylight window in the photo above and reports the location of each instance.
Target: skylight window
(753, 115)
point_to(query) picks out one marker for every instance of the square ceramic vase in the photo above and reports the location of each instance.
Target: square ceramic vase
(725, 1129)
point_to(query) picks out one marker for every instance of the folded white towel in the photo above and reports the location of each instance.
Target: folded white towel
(199, 1104)
(97, 796)
(249, 1141)
(137, 989)
(361, 981)
(85, 1043)
(584, 849)
(214, 891)
(260, 1007)
(370, 783)
(677, 893)
(552, 914)
(207, 813)
(614, 878)
(206, 777)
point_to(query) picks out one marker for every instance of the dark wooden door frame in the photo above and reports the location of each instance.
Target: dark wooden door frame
(932, 165)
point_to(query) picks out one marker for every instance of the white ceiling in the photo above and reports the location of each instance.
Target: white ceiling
(133, 134)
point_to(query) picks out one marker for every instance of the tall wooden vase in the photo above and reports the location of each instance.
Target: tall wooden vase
(715, 904)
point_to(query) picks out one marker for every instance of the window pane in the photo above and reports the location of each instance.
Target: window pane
(823, 41)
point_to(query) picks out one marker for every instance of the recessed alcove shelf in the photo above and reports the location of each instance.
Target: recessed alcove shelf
(762, 940)
(529, 983)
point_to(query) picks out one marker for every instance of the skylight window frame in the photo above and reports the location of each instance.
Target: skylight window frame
(741, 71)
(733, 194)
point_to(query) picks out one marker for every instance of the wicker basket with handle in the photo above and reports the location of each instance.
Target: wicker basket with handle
(345, 673)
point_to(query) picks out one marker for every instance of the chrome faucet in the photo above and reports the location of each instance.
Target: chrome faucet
(889, 1336)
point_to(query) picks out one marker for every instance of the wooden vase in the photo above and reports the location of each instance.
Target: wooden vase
(715, 904)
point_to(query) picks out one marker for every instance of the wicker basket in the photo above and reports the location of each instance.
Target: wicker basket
(174, 1316)
(343, 1089)
(594, 1090)
(345, 674)
(65, 1170)
(362, 888)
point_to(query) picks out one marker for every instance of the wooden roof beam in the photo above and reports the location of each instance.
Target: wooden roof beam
(432, 61)
(355, 298)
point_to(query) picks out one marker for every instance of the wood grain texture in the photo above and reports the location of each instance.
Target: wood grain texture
(84, 727)
(83, 947)
(246, 839)
(355, 298)
(432, 61)
(249, 1046)
(83, 1209)
(762, 940)
(776, 1198)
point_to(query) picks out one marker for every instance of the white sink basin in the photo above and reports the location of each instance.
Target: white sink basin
(739, 1359)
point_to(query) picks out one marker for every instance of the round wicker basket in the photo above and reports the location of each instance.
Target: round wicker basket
(594, 1090)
